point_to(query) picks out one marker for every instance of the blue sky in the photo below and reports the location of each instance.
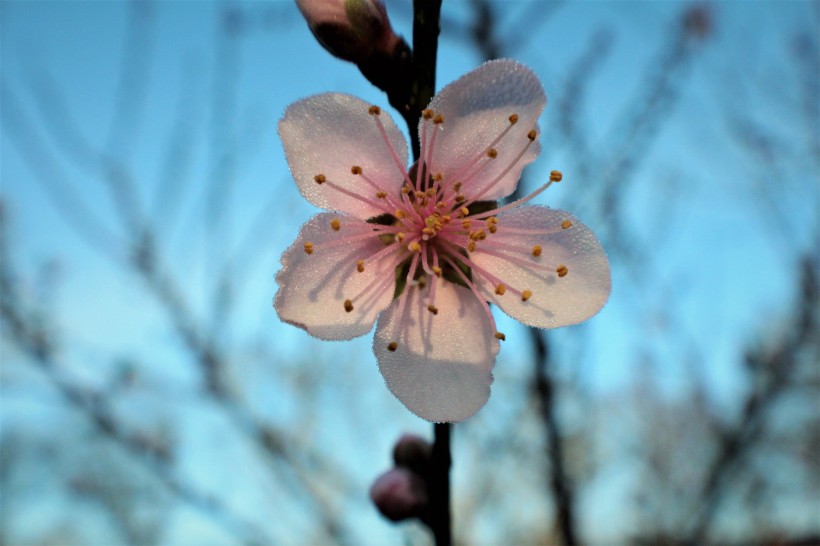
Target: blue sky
(725, 276)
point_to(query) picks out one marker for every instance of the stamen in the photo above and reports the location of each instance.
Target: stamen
(392, 346)
(500, 337)
(536, 250)
(308, 248)
(492, 153)
(532, 134)
(374, 110)
(320, 178)
(566, 224)
(438, 119)
(513, 119)
(500, 289)
(562, 270)
(335, 224)
(355, 169)
(414, 247)
(427, 113)
(433, 309)
(360, 266)
(381, 194)
(526, 294)
(556, 176)
(348, 305)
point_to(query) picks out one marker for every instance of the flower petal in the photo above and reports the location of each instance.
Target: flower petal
(476, 109)
(330, 133)
(442, 367)
(555, 301)
(313, 287)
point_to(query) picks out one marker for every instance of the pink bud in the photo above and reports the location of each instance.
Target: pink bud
(350, 29)
(399, 494)
(412, 452)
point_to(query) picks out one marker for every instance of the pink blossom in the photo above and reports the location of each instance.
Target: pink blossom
(420, 249)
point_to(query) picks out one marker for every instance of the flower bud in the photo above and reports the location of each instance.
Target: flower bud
(350, 29)
(399, 494)
(412, 452)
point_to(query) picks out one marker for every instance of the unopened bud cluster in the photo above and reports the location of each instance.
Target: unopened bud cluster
(401, 492)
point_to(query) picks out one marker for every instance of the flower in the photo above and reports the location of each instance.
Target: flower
(424, 249)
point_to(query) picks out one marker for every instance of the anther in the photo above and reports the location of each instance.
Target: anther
(492, 153)
(556, 176)
(465, 224)
(433, 309)
(438, 119)
(355, 169)
(471, 246)
(536, 250)
(381, 194)
(500, 289)
(406, 189)
(513, 119)
(320, 179)
(374, 110)
(566, 224)
(457, 186)
(414, 247)
(335, 224)
(419, 194)
(392, 346)
(437, 270)
(422, 281)
(460, 198)
(431, 192)
(526, 294)
(492, 228)
(400, 236)
(441, 205)
(427, 114)
(500, 337)
(348, 305)
(360, 266)
(562, 271)
(308, 248)
(438, 177)
(532, 134)
(400, 214)
(464, 211)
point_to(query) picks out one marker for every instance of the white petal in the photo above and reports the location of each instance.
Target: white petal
(313, 287)
(556, 301)
(330, 133)
(442, 367)
(476, 109)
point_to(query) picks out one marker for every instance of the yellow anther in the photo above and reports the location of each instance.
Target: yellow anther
(428, 231)
(500, 337)
(360, 266)
(320, 179)
(492, 153)
(438, 177)
(465, 224)
(437, 270)
(335, 224)
(513, 119)
(441, 205)
(526, 294)
(427, 114)
(566, 224)
(478, 235)
(536, 250)
(355, 169)
(400, 236)
(471, 246)
(532, 134)
(446, 219)
(562, 271)
(493, 228)
(464, 211)
(419, 194)
(433, 309)
(400, 214)
(492, 220)
(414, 247)
(308, 248)
(374, 110)
(500, 289)
(406, 189)
(431, 192)
(348, 305)
(460, 198)
(438, 119)
(381, 194)
(556, 176)
(457, 186)
(392, 346)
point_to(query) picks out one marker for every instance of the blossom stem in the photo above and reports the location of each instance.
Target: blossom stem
(439, 486)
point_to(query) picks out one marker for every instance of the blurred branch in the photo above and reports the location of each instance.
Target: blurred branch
(773, 367)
